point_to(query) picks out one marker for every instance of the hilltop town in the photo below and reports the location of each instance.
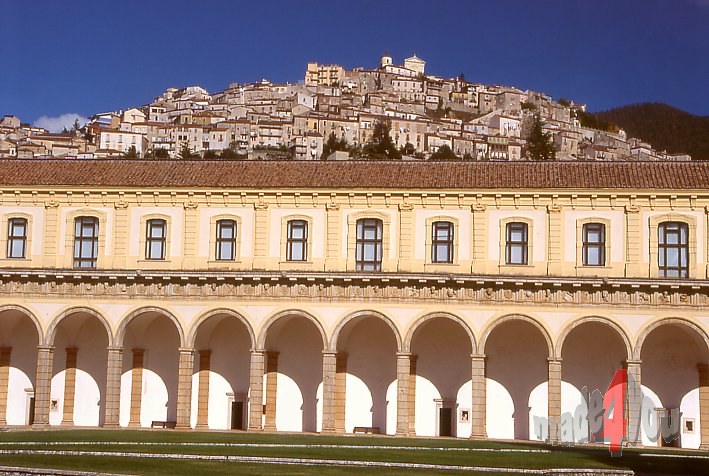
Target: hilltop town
(337, 114)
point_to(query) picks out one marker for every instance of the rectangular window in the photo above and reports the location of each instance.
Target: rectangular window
(442, 242)
(594, 244)
(17, 238)
(226, 240)
(85, 242)
(155, 239)
(369, 245)
(673, 250)
(297, 241)
(516, 246)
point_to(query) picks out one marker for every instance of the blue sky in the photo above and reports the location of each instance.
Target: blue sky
(67, 56)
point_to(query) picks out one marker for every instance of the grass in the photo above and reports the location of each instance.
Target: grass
(168, 442)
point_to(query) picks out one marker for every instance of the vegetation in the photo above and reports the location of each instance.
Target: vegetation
(157, 153)
(333, 144)
(539, 143)
(186, 153)
(663, 126)
(132, 153)
(329, 447)
(528, 106)
(444, 153)
(594, 121)
(380, 145)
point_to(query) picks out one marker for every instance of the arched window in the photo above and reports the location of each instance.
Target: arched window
(516, 246)
(673, 249)
(226, 240)
(594, 244)
(297, 240)
(155, 239)
(442, 242)
(85, 242)
(17, 238)
(368, 256)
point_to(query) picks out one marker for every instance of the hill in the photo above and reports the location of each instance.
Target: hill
(664, 126)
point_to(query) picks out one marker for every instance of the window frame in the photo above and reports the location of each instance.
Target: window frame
(509, 244)
(219, 239)
(11, 238)
(449, 242)
(663, 247)
(361, 244)
(599, 245)
(79, 240)
(149, 239)
(291, 240)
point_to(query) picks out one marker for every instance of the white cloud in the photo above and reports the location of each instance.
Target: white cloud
(57, 124)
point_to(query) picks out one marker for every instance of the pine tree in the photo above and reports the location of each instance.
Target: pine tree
(539, 143)
(333, 144)
(380, 146)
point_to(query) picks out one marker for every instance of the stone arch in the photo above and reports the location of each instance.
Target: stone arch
(427, 317)
(216, 312)
(516, 317)
(603, 320)
(28, 313)
(52, 329)
(350, 317)
(261, 342)
(667, 321)
(121, 332)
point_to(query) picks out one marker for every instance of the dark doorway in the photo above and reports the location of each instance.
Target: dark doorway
(444, 422)
(237, 415)
(31, 417)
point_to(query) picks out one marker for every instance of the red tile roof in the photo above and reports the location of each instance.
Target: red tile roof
(504, 176)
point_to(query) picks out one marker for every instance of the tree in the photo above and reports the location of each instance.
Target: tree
(132, 153)
(160, 153)
(333, 144)
(210, 155)
(444, 153)
(528, 106)
(380, 145)
(185, 152)
(539, 143)
(76, 126)
(408, 149)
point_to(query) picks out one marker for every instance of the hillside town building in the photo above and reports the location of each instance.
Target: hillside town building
(438, 299)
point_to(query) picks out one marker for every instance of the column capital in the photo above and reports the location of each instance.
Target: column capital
(45, 348)
(631, 362)
(258, 351)
(327, 352)
(403, 355)
(554, 360)
(114, 349)
(482, 357)
(186, 350)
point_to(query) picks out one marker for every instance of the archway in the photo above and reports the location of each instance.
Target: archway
(20, 335)
(80, 338)
(294, 342)
(222, 340)
(441, 346)
(151, 339)
(517, 349)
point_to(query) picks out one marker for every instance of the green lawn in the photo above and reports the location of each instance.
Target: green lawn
(379, 449)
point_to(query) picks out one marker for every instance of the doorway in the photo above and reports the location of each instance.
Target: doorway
(445, 426)
(237, 415)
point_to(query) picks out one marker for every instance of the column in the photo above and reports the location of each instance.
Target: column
(205, 357)
(5, 353)
(633, 236)
(189, 251)
(51, 237)
(412, 396)
(113, 387)
(403, 372)
(478, 410)
(329, 372)
(555, 251)
(43, 384)
(554, 399)
(136, 389)
(271, 390)
(333, 244)
(340, 392)
(406, 240)
(256, 389)
(634, 402)
(69, 386)
(184, 388)
(120, 234)
(479, 251)
(260, 234)
(703, 370)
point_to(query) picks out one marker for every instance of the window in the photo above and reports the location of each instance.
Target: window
(594, 244)
(516, 246)
(673, 250)
(226, 240)
(442, 242)
(17, 238)
(368, 255)
(85, 242)
(297, 241)
(155, 239)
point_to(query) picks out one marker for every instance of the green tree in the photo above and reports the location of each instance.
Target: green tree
(76, 126)
(539, 143)
(408, 149)
(333, 144)
(444, 153)
(380, 145)
(210, 155)
(132, 153)
(160, 153)
(185, 152)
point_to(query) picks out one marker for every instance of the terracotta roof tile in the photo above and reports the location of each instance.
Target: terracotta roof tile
(355, 174)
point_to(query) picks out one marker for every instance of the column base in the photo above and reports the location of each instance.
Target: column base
(402, 433)
(66, 423)
(134, 424)
(183, 427)
(201, 426)
(269, 428)
(478, 437)
(111, 425)
(40, 425)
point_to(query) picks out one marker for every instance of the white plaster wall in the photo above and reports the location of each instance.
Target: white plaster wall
(106, 224)
(538, 407)
(37, 231)
(358, 404)
(462, 232)
(537, 240)
(87, 400)
(699, 238)
(647, 393)
(571, 399)
(18, 332)
(690, 409)
(136, 230)
(154, 405)
(616, 238)
(17, 401)
(499, 411)
(465, 399)
(57, 394)
(426, 392)
(245, 232)
(316, 235)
